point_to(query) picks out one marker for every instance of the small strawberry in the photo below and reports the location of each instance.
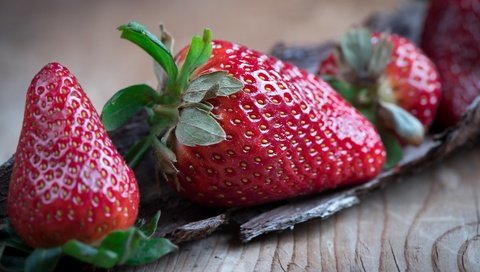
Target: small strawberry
(244, 128)
(451, 38)
(388, 79)
(70, 188)
(68, 182)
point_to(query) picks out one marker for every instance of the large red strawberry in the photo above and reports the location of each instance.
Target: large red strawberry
(451, 38)
(69, 181)
(246, 128)
(387, 78)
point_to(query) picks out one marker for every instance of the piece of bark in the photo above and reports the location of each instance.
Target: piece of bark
(416, 158)
(183, 221)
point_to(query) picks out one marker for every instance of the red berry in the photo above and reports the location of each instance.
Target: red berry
(68, 181)
(451, 38)
(288, 134)
(410, 75)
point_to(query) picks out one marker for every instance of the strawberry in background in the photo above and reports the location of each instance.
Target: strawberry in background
(451, 38)
(390, 81)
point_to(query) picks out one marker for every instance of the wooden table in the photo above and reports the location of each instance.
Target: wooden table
(428, 221)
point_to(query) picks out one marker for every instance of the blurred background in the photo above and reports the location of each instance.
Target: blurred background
(82, 36)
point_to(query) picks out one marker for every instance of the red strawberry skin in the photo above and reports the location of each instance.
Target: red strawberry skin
(288, 134)
(412, 77)
(69, 181)
(451, 38)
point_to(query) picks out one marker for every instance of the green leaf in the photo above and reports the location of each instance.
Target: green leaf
(150, 250)
(356, 48)
(408, 128)
(369, 113)
(97, 256)
(382, 52)
(196, 127)
(344, 89)
(393, 148)
(43, 259)
(126, 103)
(135, 247)
(165, 158)
(123, 243)
(150, 228)
(139, 35)
(211, 85)
(137, 152)
(198, 53)
(11, 262)
(9, 238)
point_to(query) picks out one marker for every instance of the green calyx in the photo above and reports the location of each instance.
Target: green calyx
(135, 246)
(361, 81)
(179, 107)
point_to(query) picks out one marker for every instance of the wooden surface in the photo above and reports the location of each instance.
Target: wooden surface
(427, 222)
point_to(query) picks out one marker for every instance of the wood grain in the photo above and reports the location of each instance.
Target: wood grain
(428, 222)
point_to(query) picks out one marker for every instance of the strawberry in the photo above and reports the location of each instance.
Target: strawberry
(451, 38)
(234, 127)
(69, 181)
(389, 79)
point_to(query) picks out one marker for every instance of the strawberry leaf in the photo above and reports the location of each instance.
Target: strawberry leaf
(43, 259)
(198, 53)
(86, 253)
(135, 154)
(382, 52)
(211, 85)
(405, 125)
(357, 49)
(160, 73)
(9, 238)
(10, 261)
(150, 228)
(150, 250)
(343, 88)
(393, 148)
(197, 127)
(123, 243)
(137, 246)
(126, 103)
(138, 34)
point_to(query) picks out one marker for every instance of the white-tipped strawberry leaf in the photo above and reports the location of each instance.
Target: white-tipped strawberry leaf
(408, 128)
(393, 148)
(43, 259)
(211, 85)
(139, 35)
(356, 48)
(126, 103)
(197, 127)
(198, 53)
(86, 253)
